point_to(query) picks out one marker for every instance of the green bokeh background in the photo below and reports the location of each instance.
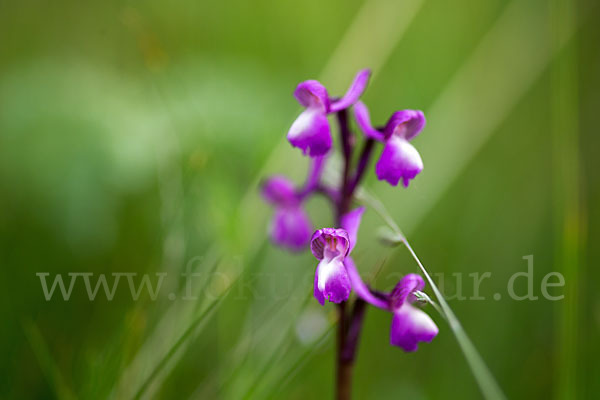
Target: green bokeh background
(133, 137)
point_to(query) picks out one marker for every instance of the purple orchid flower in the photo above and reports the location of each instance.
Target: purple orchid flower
(311, 132)
(332, 246)
(399, 159)
(290, 226)
(410, 325)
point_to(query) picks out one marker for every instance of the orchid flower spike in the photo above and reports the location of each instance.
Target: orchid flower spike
(290, 226)
(311, 132)
(399, 159)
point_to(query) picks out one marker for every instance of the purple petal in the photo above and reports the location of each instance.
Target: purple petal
(328, 243)
(331, 282)
(405, 124)
(310, 132)
(278, 190)
(399, 160)
(410, 326)
(361, 288)
(350, 222)
(407, 285)
(354, 92)
(311, 94)
(291, 228)
(363, 119)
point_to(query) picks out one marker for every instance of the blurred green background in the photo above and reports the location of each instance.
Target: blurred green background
(133, 136)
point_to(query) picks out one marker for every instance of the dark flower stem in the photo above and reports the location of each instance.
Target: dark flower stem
(343, 369)
(349, 326)
(354, 328)
(347, 147)
(363, 161)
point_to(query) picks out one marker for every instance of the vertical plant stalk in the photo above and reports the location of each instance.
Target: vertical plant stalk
(347, 146)
(343, 368)
(353, 331)
(349, 325)
(363, 162)
(568, 207)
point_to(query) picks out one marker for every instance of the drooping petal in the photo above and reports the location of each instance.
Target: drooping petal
(399, 160)
(361, 288)
(363, 119)
(350, 222)
(407, 285)
(354, 92)
(331, 281)
(410, 326)
(290, 228)
(311, 133)
(406, 124)
(329, 243)
(311, 94)
(278, 190)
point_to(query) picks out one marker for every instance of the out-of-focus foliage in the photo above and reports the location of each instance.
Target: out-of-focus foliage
(133, 137)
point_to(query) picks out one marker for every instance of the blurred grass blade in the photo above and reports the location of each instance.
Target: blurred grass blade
(202, 318)
(296, 364)
(483, 376)
(47, 364)
(393, 18)
(276, 354)
(568, 216)
(175, 320)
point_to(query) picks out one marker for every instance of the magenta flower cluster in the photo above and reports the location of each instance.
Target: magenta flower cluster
(311, 132)
(336, 275)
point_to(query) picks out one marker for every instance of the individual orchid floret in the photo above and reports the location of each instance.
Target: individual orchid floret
(290, 226)
(332, 246)
(278, 190)
(311, 132)
(410, 325)
(332, 283)
(399, 159)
